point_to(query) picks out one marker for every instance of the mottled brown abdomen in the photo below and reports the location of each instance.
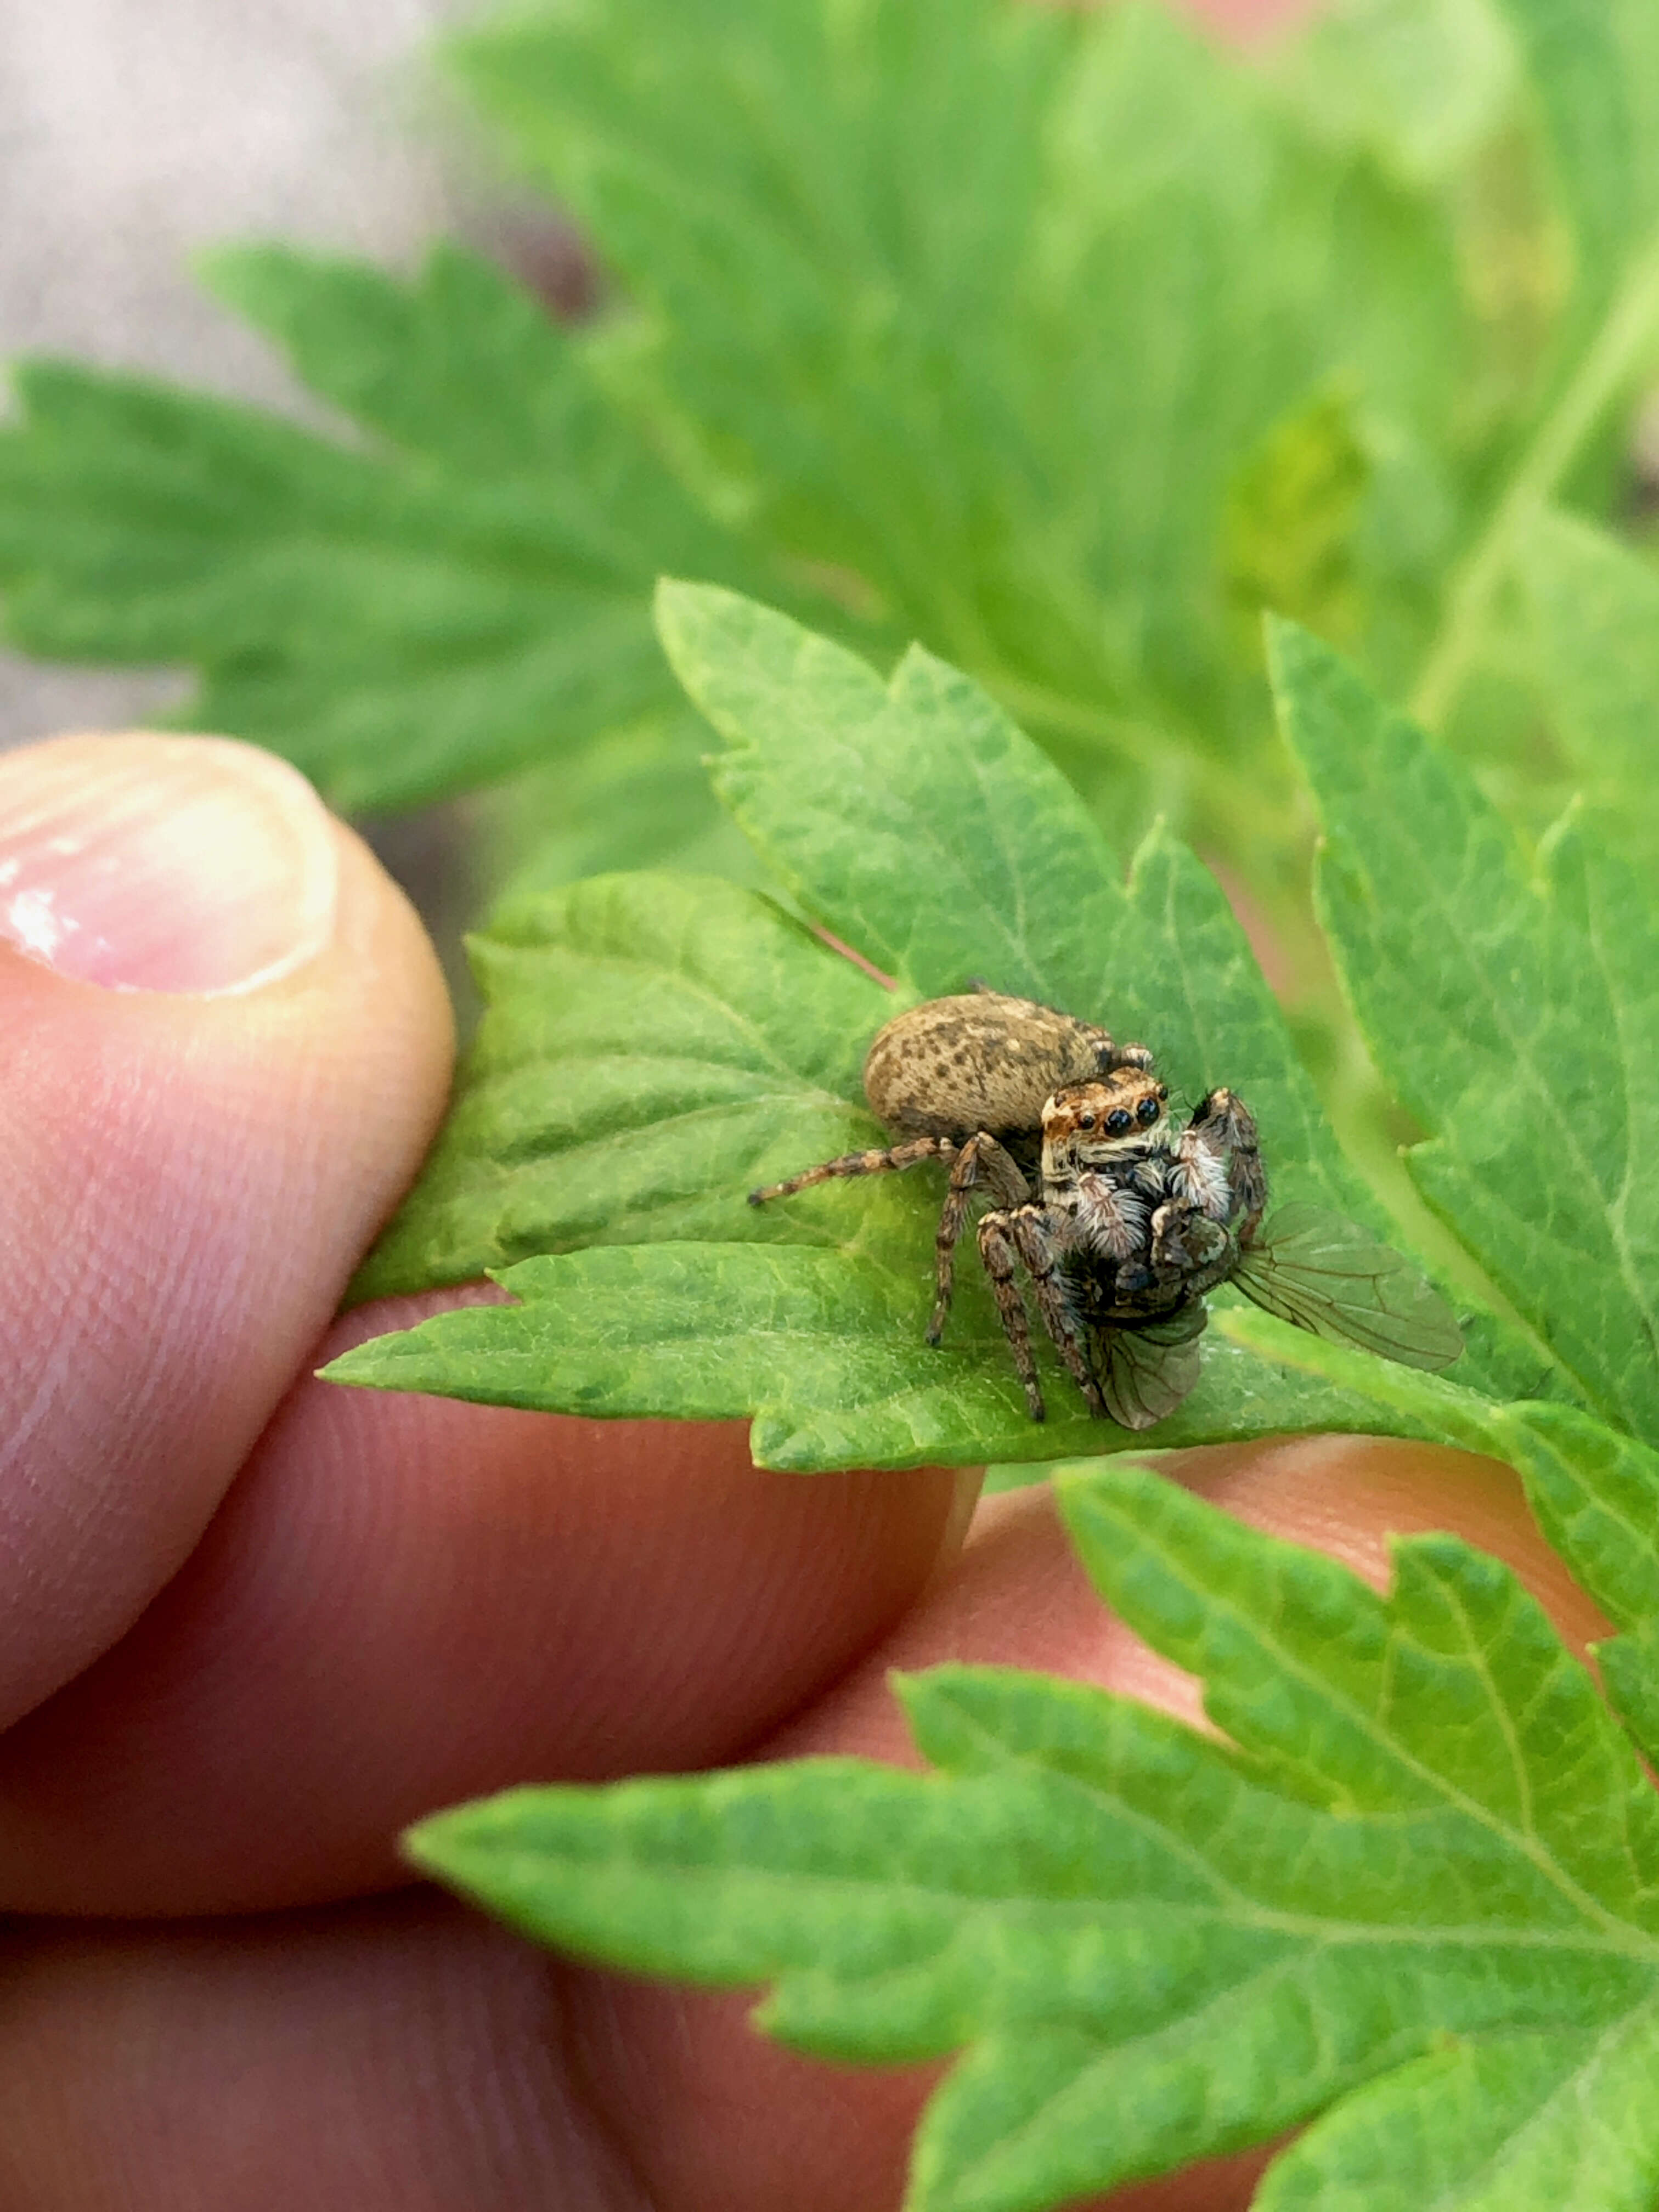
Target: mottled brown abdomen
(984, 1061)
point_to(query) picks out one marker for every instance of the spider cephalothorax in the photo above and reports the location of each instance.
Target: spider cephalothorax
(1120, 1222)
(1106, 1148)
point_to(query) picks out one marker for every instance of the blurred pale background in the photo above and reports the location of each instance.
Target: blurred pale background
(134, 131)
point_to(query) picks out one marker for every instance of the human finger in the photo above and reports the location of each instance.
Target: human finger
(397, 2057)
(393, 2057)
(408, 1600)
(227, 1044)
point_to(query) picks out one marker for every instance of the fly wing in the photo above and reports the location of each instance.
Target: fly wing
(1145, 1373)
(1326, 1274)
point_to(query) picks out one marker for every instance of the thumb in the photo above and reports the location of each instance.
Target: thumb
(227, 1044)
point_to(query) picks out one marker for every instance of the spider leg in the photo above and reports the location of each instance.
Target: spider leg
(981, 1160)
(1218, 1166)
(857, 1163)
(1198, 1182)
(1033, 1240)
(1226, 1113)
(997, 1250)
(1112, 1217)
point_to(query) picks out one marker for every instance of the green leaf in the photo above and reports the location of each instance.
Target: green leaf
(1592, 70)
(918, 823)
(1172, 348)
(1404, 1401)
(1591, 80)
(1289, 532)
(1528, 2122)
(912, 817)
(1423, 85)
(652, 1050)
(824, 1351)
(1596, 1495)
(465, 594)
(840, 324)
(924, 829)
(1594, 1492)
(1593, 609)
(958, 314)
(970, 302)
(1511, 1006)
(1574, 66)
(639, 799)
(1035, 418)
(1414, 1888)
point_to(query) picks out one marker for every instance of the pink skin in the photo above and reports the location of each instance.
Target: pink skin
(1247, 20)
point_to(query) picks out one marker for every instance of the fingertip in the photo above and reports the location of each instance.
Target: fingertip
(230, 1043)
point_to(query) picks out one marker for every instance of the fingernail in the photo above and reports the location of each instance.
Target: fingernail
(163, 864)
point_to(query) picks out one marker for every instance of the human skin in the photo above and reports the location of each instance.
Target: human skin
(251, 1624)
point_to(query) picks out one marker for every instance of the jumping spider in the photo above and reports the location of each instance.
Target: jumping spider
(965, 1081)
(1131, 1224)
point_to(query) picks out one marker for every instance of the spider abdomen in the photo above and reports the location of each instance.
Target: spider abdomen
(980, 1062)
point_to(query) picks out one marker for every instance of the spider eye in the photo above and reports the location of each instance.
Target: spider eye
(1148, 1110)
(1086, 1121)
(1118, 1120)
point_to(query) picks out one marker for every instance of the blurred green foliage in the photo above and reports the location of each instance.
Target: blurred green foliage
(1059, 340)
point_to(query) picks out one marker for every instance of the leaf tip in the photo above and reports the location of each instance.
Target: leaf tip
(1290, 651)
(908, 1687)
(685, 613)
(667, 596)
(423, 1845)
(358, 1368)
(1089, 1487)
(459, 1844)
(244, 274)
(218, 268)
